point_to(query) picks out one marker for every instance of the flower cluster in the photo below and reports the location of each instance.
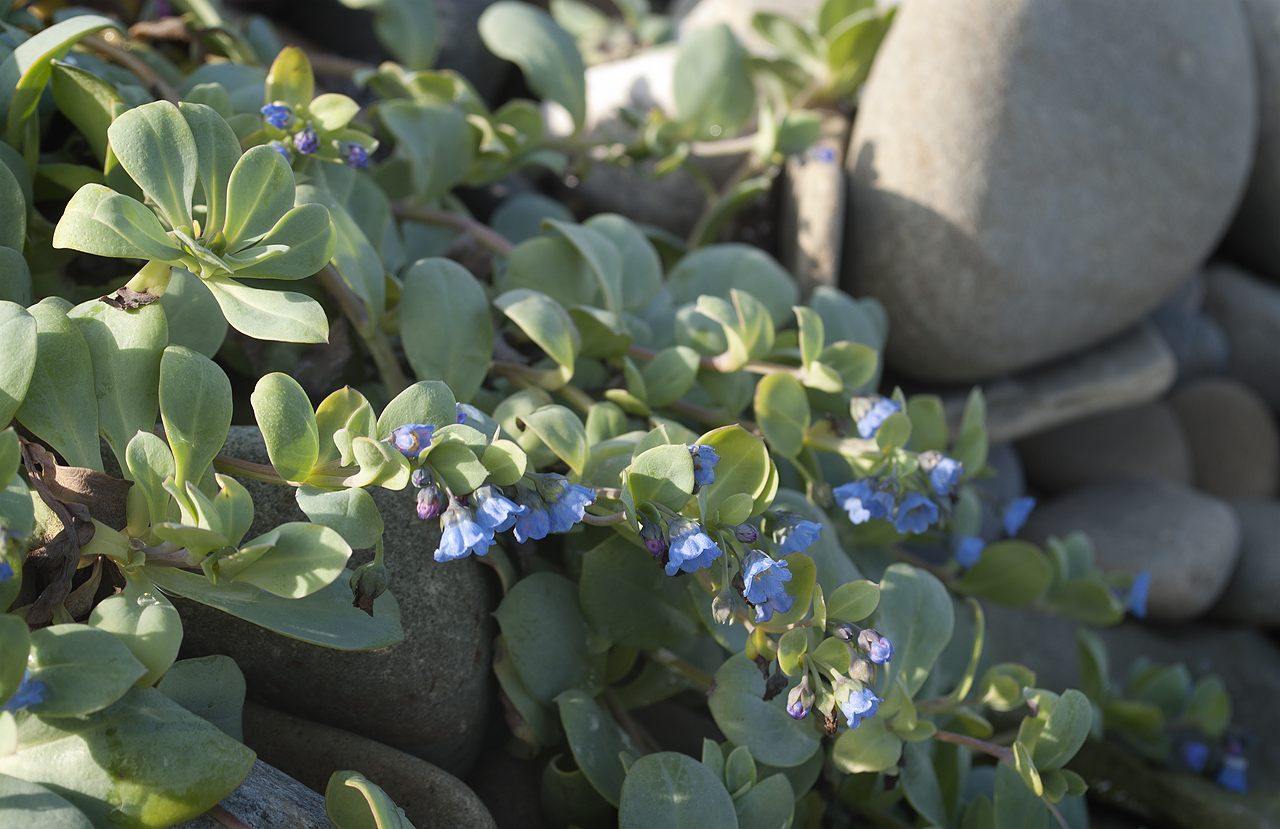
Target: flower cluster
(552, 505)
(301, 137)
(872, 501)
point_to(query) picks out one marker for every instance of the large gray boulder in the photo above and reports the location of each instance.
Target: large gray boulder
(1248, 309)
(1250, 597)
(1029, 177)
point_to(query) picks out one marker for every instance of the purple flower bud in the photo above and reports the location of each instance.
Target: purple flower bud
(412, 439)
(432, 502)
(876, 646)
(846, 632)
(704, 464)
(746, 533)
(420, 477)
(652, 536)
(306, 141)
(277, 115)
(282, 148)
(870, 422)
(461, 416)
(800, 700)
(355, 156)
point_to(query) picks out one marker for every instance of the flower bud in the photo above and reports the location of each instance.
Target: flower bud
(861, 670)
(432, 502)
(846, 632)
(722, 606)
(277, 115)
(651, 535)
(800, 700)
(876, 646)
(746, 533)
(421, 477)
(306, 141)
(368, 582)
(355, 156)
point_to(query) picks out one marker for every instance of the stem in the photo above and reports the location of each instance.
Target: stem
(643, 739)
(247, 469)
(384, 359)
(1053, 810)
(579, 398)
(604, 520)
(745, 169)
(1005, 755)
(483, 234)
(121, 55)
(725, 146)
(687, 671)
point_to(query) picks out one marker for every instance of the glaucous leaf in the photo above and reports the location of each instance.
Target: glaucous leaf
(546, 637)
(446, 325)
(351, 512)
(217, 152)
(212, 688)
(630, 600)
(195, 407)
(195, 318)
(156, 147)
(437, 139)
(60, 406)
(13, 211)
(283, 316)
(765, 728)
(713, 92)
(916, 615)
(147, 623)
(546, 53)
(259, 193)
(18, 342)
(672, 791)
(427, 401)
(303, 559)
(83, 670)
(290, 79)
(288, 425)
(595, 741)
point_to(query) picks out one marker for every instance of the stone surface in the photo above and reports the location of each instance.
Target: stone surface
(1248, 309)
(1198, 343)
(311, 753)
(1144, 441)
(1135, 367)
(429, 696)
(1253, 240)
(269, 799)
(1232, 434)
(1030, 177)
(1188, 541)
(1250, 597)
(813, 206)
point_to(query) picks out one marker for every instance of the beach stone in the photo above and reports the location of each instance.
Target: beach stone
(1197, 341)
(1187, 540)
(1232, 435)
(1135, 367)
(1248, 309)
(1030, 177)
(1144, 441)
(510, 788)
(812, 208)
(429, 695)
(310, 753)
(1250, 597)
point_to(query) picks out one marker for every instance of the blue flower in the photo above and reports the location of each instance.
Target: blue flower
(704, 464)
(534, 524)
(460, 535)
(1017, 513)
(355, 156)
(915, 514)
(800, 700)
(862, 502)
(862, 704)
(461, 416)
(1195, 755)
(794, 534)
(762, 578)
(876, 646)
(969, 550)
(691, 548)
(431, 502)
(306, 141)
(870, 422)
(282, 148)
(277, 115)
(1233, 776)
(945, 475)
(496, 512)
(1135, 598)
(30, 692)
(566, 502)
(6, 571)
(412, 438)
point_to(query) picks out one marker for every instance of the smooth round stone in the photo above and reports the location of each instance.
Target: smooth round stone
(429, 695)
(1188, 541)
(1139, 442)
(1248, 309)
(1029, 177)
(1250, 597)
(1232, 434)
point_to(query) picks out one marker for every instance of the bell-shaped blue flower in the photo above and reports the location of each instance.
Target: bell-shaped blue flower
(277, 115)
(496, 512)
(915, 514)
(862, 502)
(691, 548)
(862, 704)
(460, 535)
(30, 692)
(1135, 599)
(870, 422)
(945, 475)
(877, 647)
(793, 534)
(968, 550)
(704, 464)
(412, 438)
(534, 524)
(762, 579)
(566, 502)
(1017, 513)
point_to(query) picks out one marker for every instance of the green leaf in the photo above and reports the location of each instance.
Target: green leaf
(641, 267)
(195, 406)
(1064, 732)
(595, 741)
(15, 277)
(562, 431)
(18, 342)
(715, 270)
(83, 670)
(1209, 706)
(1015, 803)
(302, 559)
(546, 637)
(506, 462)
(670, 374)
(13, 211)
(664, 475)
(733, 202)
(458, 467)
(212, 688)
(916, 615)
(544, 321)
(288, 425)
(713, 91)
(32, 806)
(673, 791)
(971, 443)
(894, 432)
(769, 804)
(84, 760)
(546, 53)
(290, 79)
(437, 140)
(79, 230)
(920, 783)
(60, 405)
(156, 147)
(765, 728)
(332, 111)
(627, 597)
(24, 73)
(283, 316)
(447, 329)
(326, 617)
(260, 192)
(147, 623)
(602, 257)
(782, 409)
(133, 222)
(928, 423)
(126, 348)
(195, 320)
(744, 467)
(1026, 768)
(351, 512)
(410, 31)
(854, 601)
(1010, 572)
(871, 747)
(353, 801)
(427, 401)
(16, 641)
(217, 152)
(791, 647)
(149, 463)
